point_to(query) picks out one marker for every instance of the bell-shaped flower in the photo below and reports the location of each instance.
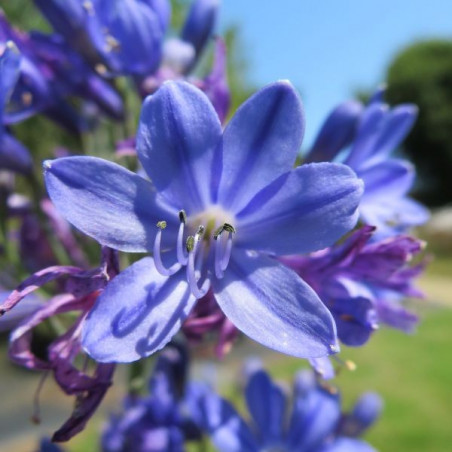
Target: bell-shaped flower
(218, 208)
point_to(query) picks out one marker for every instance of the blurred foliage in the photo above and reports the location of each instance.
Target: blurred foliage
(422, 74)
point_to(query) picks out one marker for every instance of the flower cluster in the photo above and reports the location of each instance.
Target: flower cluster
(209, 230)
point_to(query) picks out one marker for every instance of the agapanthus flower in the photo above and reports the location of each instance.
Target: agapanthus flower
(316, 423)
(160, 421)
(362, 282)
(364, 138)
(218, 208)
(80, 292)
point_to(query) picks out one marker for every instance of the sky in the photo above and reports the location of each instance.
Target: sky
(329, 49)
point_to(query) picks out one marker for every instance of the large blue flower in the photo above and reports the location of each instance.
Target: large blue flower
(219, 207)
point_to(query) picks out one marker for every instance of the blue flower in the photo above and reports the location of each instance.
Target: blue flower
(219, 208)
(363, 138)
(316, 423)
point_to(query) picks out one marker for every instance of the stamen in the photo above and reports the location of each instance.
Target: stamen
(222, 257)
(192, 247)
(182, 255)
(157, 253)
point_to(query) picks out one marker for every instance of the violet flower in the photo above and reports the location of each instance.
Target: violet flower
(364, 139)
(316, 423)
(160, 421)
(362, 282)
(222, 206)
(81, 290)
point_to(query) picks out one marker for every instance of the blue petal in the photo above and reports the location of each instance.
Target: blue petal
(162, 8)
(176, 141)
(305, 210)
(266, 404)
(225, 427)
(107, 202)
(200, 23)
(336, 133)
(137, 314)
(315, 416)
(274, 306)
(9, 74)
(260, 143)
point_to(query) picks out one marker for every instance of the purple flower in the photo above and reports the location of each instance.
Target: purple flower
(368, 136)
(81, 290)
(315, 424)
(161, 421)
(361, 282)
(219, 207)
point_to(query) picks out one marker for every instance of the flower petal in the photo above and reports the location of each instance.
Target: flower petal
(176, 141)
(137, 314)
(107, 202)
(260, 143)
(266, 404)
(274, 306)
(336, 133)
(305, 210)
(343, 444)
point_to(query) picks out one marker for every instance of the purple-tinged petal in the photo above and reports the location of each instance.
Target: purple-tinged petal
(225, 427)
(266, 404)
(271, 304)
(314, 417)
(343, 444)
(215, 85)
(200, 23)
(86, 404)
(176, 141)
(107, 202)
(378, 95)
(393, 314)
(137, 314)
(336, 133)
(305, 210)
(260, 143)
(33, 283)
(9, 74)
(25, 309)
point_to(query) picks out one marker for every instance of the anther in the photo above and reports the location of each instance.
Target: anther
(182, 255)
(182, 216)
(161, 225)
(190, 244)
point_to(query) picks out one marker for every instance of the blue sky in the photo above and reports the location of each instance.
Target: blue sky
(330, 48)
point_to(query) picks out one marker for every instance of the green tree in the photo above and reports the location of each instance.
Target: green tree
(422, 74)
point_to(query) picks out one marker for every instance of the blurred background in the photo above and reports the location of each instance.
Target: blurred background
(331, 51)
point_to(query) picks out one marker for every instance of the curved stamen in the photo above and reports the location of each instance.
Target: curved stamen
(182, 255)
(157, 253)
(222, 257)
(192, 248)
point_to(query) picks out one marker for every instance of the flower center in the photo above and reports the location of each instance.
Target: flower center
(213, 227)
